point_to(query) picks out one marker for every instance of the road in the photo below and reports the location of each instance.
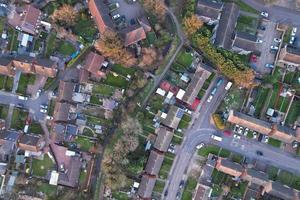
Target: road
(201, 131)
(277, 13)
(180, 34)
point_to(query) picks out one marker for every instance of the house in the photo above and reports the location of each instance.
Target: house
(289, 56)
(228, 167)
(154, 162)
(163, 139)
(245, 43)
(61, 112)
(280, 191)
(31, 143)
(65, 91)
(197, 82)
(203, 192)
(209, 11)
(146, 186)
(226, 26)
(26, 64)
(93, 64)
(100, 13)
(133, 34)
(26, 19)
(255, 177)
(173, 117)
(8, 143)
(278, 132)
(143, 21)
(58, 131)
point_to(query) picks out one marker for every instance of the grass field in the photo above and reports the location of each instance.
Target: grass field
(294, 112)
(25, 80)
(103, 89)
(40, 167)
(184, 59)
(66, 48)
(259, 101)
(83, 143)
(116, 81)
(119, 69)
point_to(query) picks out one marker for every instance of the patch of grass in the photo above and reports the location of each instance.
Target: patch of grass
(293, 112)
(2, 81)
(285, 177)
(36, 128)
(12, 39)
(186, 195)
(178, 67)
(243, 6)
(184, 59)
(224, 153)
(116, 81)
(9, 84)
(259, 101)
(18, 119)
(84, 144)
(218, 177)
(151, 37)
(238, 190)
(274, 142)
(272, 173)
(25, 80)
(120, 196)
(216, 190)
(66, 49)
(102, 89)
(51, 107)
(88, 132)
(3, 111)
(85, 27)
(2, 23)
(50, 44)
(237, 158)
(159, 186)
(46, 188)
(82, 177)
(247, 24)
(191, 184)
(41, 167)
(119, 69)
(274, 96)
(283, 104)
(207, 150)
(95, 99)
(183, 124)
(176, 140)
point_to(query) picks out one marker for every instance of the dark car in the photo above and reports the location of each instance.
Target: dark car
(259, 153)
(181, 184)
(166, 193)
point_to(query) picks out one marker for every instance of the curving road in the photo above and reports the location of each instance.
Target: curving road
(277, 13)
(202, 130)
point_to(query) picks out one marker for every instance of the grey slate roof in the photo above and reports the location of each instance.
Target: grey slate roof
(163, 139)
(154, 162)
(246, 42)
(208, 8)
(146, 186)
(173, 118)
(227, 25)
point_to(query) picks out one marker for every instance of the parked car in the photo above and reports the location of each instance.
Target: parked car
(264, 14)
(49, 117)
(213, 92)
(171, 150)
(274, 47)
(178, 195)
(294, 31)
(181, 184)
(246, 131)
(38, 93)
(237, 136)
(268, 65)
(44, 106)
(210, 98)
(265, 139)
(199, 146)
(220, 81)
(277, 40)
(254, 135)
(259, 153)
(228, 86)
(241, 129)
(23, 98)
(263, 28)
(292, 40)
(43, 110)
(259, 41)
(116, 16)
(295, 144)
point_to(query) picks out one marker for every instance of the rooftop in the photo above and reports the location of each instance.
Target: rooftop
(208, 8)
(163, 139)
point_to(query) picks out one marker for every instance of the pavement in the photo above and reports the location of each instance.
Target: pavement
(277, 13)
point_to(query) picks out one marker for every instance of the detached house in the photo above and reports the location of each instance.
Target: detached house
(133, 34)
(26, 19)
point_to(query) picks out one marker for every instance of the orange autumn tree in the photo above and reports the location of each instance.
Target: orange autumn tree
(191, 25)
(155, 7)
(65, 15)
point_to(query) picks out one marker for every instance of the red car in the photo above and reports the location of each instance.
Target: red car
(227, 133)
(253, 58)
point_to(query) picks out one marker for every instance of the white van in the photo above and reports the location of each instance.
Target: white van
(22, 98)
(215, 137)
(228, 86)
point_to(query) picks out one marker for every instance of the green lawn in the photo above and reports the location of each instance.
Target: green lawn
(237, 191)
(46, 188)
(285, 177)
(95, 99)
(25, 80)
(165, 168)
(48, 83)
(119, 69)
(36, 128)
(272, 173)
(176, 140)
(274, 142)
(243, 6)
(66, 48)
(41, 167)
(275, 93)
(159, 186)
(2, 23)
(2, 81)
(116, 81)
(247, 24)
(218, 177)
(82, 177)
(151, 37)
(88, 132)
(178, 67)
(283, 103)
(3, 111)
(18, 119)
(37, 44)
(207, 150)
(50, 44)
(83, 143)
(184, 59)
(120, 196)
(259, 101)
(187, 195)
(12, 39)
(294, 112)
(102, 89)
(51, 107)
(237, 158)
(191, 184)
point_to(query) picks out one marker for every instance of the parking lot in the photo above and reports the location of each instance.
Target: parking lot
(267, 36)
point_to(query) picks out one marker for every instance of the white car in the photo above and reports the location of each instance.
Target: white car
(254, 135)
(171, 150)
(265, 139)
(44, 106)
(237, 136)
(199, 146)
(49, 117)
(259, 41)
(294, 30)
(38, 93)
(273, 47)
(228, 86)
(22, 98)
(277, 40)
(210, 98)
(241, 129)
(3, 5)
(43, 110)
(246, 131)
(264, 14)
(268, 65)
(116, 16)
(292, 40)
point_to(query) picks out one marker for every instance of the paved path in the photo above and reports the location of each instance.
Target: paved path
(277, 13)
(180, 34)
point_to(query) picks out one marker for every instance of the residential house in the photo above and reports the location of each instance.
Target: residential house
(278, 132)
(93, 64)
(163, 139)
(146, 186)
(8, 143)
(26, 64)
(255, 177)
(173, 117)
(143, 21)
(209, 11)
(197, 82)
(203, 192)
(154, 162)
(228, 167)
(61, 112)
(226, 26)
(26, 19)
(100, 13)
(31, 143)
(133, 34)
(245, 43)
(289, 56)
(65, 91)
(280, 191)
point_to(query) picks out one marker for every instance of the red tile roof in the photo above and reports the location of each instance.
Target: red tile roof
(165, 85)
(133, 35)
(93, 63)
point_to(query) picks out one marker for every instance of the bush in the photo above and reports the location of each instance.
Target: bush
(218, 122)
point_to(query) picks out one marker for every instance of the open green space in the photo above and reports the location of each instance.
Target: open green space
(272, 173)
(274, 96)
(116, 81)
(3, 111)
(2, 24)
(208, 149)
(237, 190)
(66, 48)
(156, 103)
(25, 80)
(260, 99)
(95, 99)
(119, 69)
(50, 44)
(103, 89)
(187, 195)
(176, 140)
(247, 24)
(294, 112)
(218, 177)
(6, 83)
(243, 6)
(283, 103)
(41, 167)
(83, 143)
(184, 59)
(18, 119)
(36, 128)
(46, 188)
(238, 158)
(165, 168)
(159, 186)
(274, 142)
(12, 39)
